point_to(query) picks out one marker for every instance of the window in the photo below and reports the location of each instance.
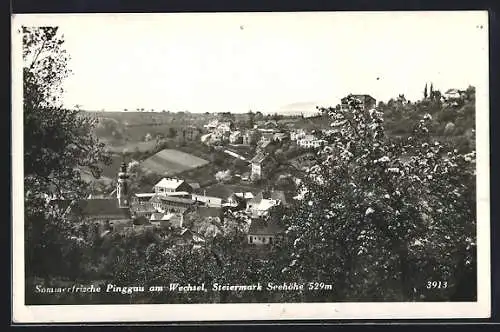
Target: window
(250, 239)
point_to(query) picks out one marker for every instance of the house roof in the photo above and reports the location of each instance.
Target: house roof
(195, 185)
(205, 199)
(100, 207)
(144, 195)
(204, 211)
(266, 204)
(172, 199)
(269, 195)
(259, 157)
(263, 227)
(278, 195)
(246, 195)
(169, 183)
(156, 216)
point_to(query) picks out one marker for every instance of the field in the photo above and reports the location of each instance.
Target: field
(171, 162)
(119, 147)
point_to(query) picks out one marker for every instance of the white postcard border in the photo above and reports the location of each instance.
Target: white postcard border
(273, 311)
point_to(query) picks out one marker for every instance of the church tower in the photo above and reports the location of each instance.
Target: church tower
(122, 187)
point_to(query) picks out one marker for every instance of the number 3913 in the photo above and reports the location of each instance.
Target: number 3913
(436, 284)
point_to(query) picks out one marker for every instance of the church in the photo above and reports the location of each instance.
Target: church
(111, 212)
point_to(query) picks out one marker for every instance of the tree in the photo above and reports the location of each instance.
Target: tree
(379, 226)
(425, 91)
(58, 143)
(431, 91)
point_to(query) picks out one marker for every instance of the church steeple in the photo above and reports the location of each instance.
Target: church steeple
(122, 187)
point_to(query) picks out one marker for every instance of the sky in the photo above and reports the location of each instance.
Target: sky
(264, 62)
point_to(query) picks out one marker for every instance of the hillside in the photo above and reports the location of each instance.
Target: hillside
(171, 162)
(453, 120)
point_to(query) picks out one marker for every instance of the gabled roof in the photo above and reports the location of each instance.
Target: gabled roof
(195, 185)
(156, 216)
(245, 195)
(259, 157)
(165, 198)
(269, 195)
(263, 227)
(169, 183)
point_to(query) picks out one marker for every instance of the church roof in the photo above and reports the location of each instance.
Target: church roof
(99, 207)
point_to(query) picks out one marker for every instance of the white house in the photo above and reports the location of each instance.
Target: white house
(169, 185)
(452, 94)
(212, 125)
(236, 137)
(225, 127)
(166, 219)
(209, 201)
(297, 134)
(260, 206)
(310, 141)
(262, 232)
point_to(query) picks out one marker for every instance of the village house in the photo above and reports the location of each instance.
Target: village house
(167, 220)
(266, 137)
(238, 201)
(310, 141)
(187, 237)
(169, 185)
(195, 186)
(367, 101)
(249, 137)
(210, 201)
(452, 94)
(297, 134)
(235, 137)
(164, 203)
(280, 137)
(212, 125)
(206, 138)
(263, 232)
(264, 201)
(225, 127)
(257, 166)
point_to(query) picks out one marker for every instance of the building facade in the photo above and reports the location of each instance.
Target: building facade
(170, 185)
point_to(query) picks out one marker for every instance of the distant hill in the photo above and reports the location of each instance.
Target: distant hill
(308, 109)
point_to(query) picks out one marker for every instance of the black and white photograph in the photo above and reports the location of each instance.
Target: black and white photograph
(234, 166)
